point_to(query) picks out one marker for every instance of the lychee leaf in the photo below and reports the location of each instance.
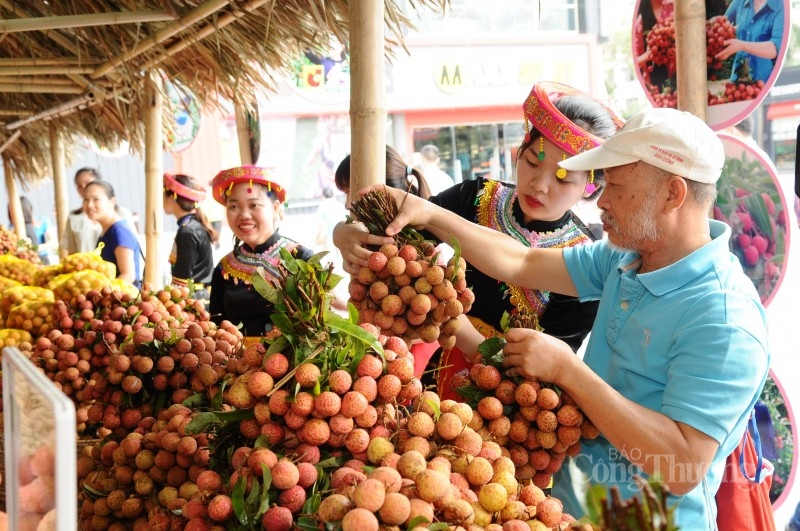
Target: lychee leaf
(758, 210)
(202, 423)
(352, 313)
(235, 415)
(491, 350)
(266, 289)
(417, 522)
(341, 325)
(195, 401)
(237, 500)
(262, 441)
(252, 497)
(278, 344)
(437, 412)
(439, 526)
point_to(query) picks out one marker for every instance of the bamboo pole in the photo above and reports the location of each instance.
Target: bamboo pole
(9, 112)
(367, 96)
(38, 89)
(204, 32)
(58, 163)
(64, 108)
(47, 70)
(202, 11)
(81, 21)
(14, 206)
(13, 138)
(690, 47)
(243, 134)
(42, 61)
(154, 198)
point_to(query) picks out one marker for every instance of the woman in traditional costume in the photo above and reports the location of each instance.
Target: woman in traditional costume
(191, 258)
(559, 122)
(253, 203)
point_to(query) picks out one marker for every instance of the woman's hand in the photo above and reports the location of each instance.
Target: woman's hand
(731, 47)
(351, 239)
(536, 355)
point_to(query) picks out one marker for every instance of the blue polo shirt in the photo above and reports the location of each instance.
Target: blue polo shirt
(688, 340)
(766, 25)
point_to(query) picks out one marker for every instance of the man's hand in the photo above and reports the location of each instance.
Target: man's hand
(536, 355)
(413, 210)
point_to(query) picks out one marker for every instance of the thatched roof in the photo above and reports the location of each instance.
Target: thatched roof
(80, 64)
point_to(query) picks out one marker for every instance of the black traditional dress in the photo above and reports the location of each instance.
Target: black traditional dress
(494, 204)
(192, 256)
(232, 294)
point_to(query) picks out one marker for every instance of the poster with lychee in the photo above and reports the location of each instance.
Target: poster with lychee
(744, 54)
(778, 431)
(750, 200)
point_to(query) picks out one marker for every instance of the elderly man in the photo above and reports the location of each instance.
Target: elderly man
(678, 352)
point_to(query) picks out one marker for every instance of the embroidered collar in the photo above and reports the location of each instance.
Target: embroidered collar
(241, 263)
(499, 209)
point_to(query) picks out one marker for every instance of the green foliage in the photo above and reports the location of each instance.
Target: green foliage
(771, 396)
(648, 512)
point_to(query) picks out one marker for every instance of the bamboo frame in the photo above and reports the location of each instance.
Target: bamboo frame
(39, 89)
(13, 138)
(367, 96)
(154, 196)
(161, 35)
(80, 21)
(39, 61)
(66, 107)
(692, 76)
(44, 70)
(14, 206)
(57, 166)
(204, 32)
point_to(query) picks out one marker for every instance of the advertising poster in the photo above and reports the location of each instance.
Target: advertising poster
(744, 54)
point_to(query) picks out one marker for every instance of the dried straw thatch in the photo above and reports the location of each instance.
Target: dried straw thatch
(80, 64)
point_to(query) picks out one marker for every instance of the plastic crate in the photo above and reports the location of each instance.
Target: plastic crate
(40, 442)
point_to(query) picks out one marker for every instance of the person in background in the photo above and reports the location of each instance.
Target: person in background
(679, 351)
(438, 181)
(120, 246)
(191, 257)
(759, 35)
(27, 216)
(253, 201)
(536, 212)
(398, 175)
(81, 233)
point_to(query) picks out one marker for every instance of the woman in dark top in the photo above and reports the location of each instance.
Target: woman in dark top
(559, 122)
(191, 257)
(253, 202)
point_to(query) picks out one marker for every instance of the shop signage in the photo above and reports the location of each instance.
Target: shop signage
(453, 77)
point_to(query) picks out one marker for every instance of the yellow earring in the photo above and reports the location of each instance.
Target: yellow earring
(561, 172)
(541, 147)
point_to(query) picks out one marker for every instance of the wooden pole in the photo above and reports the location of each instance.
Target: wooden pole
(367, 95)
(243, 134)
(58, 162)
(80, 21)
(14, 206)
(690, 45)
(153, 169)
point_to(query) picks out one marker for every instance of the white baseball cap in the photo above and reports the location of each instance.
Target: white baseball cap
(675, 141)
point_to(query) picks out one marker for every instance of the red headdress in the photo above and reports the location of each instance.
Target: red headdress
(171, 184)
(224, 181)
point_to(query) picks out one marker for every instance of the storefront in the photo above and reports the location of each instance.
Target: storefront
(782, 108)
(466, 100)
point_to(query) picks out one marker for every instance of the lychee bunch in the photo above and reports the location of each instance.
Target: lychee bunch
(538, 424)
(407, 294)
(437, 469)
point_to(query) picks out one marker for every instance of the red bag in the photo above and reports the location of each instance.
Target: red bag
(743, 502)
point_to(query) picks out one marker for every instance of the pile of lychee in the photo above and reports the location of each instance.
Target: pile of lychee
(410, 295)
(539, 425)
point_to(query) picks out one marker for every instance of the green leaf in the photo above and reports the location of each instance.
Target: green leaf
(417, 521)
(216, 401)
(352, 313)
(235, 415)
(491, 350)
(289, 262)
(237, 499)
(439, 526)
(343, 326)
(203, 422)
(265, 289)
(331, 462)
(307, 523)
(93, 493)
(253, 497)
(279, 344)
(195, 401)
(435, 407)
(262, 441)
(758, 210)
(282, 322)
(267, 483)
